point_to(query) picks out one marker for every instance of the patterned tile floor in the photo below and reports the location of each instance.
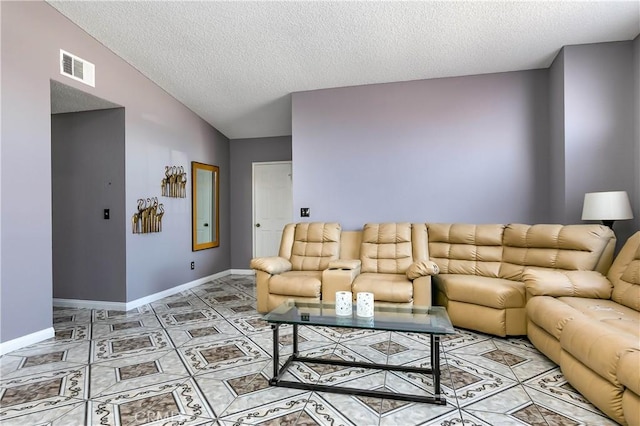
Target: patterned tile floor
(202, 357)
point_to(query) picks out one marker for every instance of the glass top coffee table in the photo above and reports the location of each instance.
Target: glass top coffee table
(433, 321)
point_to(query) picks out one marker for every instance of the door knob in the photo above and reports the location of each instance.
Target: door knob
(257, 225)
(206, 224)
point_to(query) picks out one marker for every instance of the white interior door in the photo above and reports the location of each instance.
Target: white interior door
(272, 205)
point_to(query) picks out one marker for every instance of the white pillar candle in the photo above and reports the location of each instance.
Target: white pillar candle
(364, 307)
(343, 303)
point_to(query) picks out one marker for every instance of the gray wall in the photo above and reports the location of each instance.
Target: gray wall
(159, 131)
(244, 152)
(636, 76)
(556, 139)
(88, 167)
(599, 125)
(467, 149)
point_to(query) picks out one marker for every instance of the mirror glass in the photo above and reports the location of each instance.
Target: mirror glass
(205, 222)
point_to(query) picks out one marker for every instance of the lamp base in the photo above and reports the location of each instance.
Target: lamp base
(608, 223)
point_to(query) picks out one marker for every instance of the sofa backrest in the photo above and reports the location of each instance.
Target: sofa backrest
(568, 247)
(350, 242)
(459, 248)
(624, 274)
(310, 246)
(386, 248)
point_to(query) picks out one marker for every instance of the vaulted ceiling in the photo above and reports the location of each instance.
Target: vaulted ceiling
(236, 64)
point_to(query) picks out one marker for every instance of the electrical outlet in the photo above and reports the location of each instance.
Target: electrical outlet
(193, 265)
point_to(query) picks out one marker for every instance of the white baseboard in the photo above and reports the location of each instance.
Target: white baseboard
(29, 339)
(242, 272)
(127, 306)
(162, 294)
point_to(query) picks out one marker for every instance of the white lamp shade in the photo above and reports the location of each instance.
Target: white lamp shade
(612, 205)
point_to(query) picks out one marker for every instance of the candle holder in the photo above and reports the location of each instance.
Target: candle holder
(344, 303)
(364, 305)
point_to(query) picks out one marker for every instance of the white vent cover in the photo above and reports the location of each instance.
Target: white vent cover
(77, 68)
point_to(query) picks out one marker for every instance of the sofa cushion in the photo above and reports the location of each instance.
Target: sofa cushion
(385, 287)
(597, 345)
(545, 282)
(551, 314)
(625, 274)
(570, 247)
(315, 245)
(296, 283)
(386, 248)
(460, 248)
(492, 292)
(606, 311)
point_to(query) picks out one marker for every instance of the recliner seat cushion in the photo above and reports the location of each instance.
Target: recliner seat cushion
(551, 314)
(297, 283)
(385, 287)
(617, 316)
(484, 291)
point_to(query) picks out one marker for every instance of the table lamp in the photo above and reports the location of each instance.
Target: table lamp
(607, 207)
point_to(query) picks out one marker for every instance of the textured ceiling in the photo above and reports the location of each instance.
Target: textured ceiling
(236, 63)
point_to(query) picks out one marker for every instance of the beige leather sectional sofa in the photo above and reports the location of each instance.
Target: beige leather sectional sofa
(476, 269)
(481, 267)
(589, 324)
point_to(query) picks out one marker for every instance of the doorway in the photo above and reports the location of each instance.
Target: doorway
(88, 197)
(272, 205)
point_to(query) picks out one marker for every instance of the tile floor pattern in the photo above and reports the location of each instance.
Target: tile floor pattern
(202, 357)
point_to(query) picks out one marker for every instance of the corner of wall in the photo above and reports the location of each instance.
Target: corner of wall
(636, 73)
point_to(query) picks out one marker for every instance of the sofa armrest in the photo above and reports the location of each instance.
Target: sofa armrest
(422, 268)
(338, 276)
(587, 284)
(422, 291)
(271, 265)
(345, 264)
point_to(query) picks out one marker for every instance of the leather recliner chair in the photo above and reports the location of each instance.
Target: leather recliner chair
(395, 264)
(306, 249)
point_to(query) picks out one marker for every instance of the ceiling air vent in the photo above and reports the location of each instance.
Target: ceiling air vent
(77, 68)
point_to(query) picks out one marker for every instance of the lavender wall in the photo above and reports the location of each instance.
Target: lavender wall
(159, 131)
(88, 167)
(467, 149)
(244, 152)
(600, 151)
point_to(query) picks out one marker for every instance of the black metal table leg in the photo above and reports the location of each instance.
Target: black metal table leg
(295, 339)
(276, 350)
(435, 355)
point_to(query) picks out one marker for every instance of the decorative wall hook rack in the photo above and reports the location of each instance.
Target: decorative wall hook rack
(148, 218)
(175, 182)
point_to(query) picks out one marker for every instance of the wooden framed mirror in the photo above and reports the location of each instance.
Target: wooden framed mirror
(205, 189)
